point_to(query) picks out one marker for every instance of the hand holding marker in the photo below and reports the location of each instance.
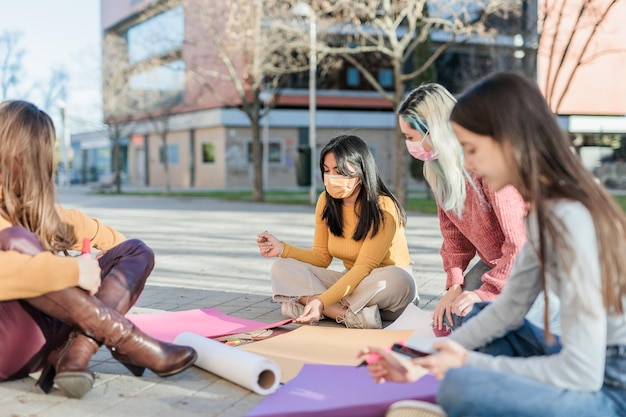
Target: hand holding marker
(397, 347)
(372, 357)
(85, 251)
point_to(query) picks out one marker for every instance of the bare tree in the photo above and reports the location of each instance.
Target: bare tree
(11, 55)
(54, 89)
(567, 33)
(117, 104)
(145, 84)
(240, 50)
(392, 30)
(159, 108)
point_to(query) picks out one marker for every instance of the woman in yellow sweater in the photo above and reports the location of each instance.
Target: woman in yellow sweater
(56, 311)
(359, 221)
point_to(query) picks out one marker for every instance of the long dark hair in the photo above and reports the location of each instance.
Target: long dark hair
(511, 109)
(350, 149)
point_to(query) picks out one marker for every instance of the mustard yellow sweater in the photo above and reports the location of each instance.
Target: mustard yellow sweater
(388, 247)
(25, 276)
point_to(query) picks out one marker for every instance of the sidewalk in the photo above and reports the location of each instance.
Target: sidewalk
(206, 256)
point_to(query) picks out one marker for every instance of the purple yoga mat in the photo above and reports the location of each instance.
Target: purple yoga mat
(346, 391)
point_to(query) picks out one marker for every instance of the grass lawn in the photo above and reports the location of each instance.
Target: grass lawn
(419, 202)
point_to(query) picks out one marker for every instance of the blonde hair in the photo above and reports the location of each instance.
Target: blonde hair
(447, 176)
(28, 197)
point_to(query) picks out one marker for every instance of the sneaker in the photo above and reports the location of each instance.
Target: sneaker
(414, 408)
(367, 318)
(291, 309)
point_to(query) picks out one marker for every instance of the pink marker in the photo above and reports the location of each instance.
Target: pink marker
(85, 251)
(372, 358)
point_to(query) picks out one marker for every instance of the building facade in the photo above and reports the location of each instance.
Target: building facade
(206, 139)
(581, 57)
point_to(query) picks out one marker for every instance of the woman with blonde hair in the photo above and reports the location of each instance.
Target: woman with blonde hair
(576, 245)
(56, 311)
(475, 220)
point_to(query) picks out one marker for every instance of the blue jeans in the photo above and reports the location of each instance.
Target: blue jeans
(473, 392)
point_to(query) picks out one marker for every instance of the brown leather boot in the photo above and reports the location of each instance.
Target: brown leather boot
(125, 269)
(69, 371)
(75, 307)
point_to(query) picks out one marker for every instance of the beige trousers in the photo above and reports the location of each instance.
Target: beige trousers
(391, 288)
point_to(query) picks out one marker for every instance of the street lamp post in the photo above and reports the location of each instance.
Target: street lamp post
(63, 174)
(304, 10)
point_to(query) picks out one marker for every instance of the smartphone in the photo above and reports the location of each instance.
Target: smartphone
(405, 350)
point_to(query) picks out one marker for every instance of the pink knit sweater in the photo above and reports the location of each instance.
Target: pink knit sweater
(492, 226)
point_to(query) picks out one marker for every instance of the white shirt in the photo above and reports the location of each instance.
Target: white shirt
(585, 328)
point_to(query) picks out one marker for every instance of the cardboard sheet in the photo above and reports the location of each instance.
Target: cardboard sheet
(347, 391)
(322, 345)
(207, 322)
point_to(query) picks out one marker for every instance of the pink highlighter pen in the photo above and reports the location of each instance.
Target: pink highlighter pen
(85, 251)
(372, 357)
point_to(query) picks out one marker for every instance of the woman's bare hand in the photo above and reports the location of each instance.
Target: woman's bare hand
(89, 274)
(269, 245)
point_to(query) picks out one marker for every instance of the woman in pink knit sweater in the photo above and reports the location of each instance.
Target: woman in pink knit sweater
(474, 220)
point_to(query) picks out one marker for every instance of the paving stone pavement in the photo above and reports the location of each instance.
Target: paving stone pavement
(206, 256)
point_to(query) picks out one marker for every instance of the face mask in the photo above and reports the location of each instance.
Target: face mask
(417, 151)
(340, 186)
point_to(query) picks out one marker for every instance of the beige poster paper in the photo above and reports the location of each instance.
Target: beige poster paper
(322, 345)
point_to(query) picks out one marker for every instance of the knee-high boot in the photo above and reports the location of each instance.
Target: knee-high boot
(125, 269)
(106, 325)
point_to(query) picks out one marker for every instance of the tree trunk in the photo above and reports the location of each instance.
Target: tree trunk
(166, 165)
(401, 166)
(116, 160)
(257, 158)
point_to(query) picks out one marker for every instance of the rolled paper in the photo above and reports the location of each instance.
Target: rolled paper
(251, 371)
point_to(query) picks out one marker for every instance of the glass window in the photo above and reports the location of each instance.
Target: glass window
(385, 77)
(208, 152)
(172, 154)
(167, 77)
(161, 34)
(353, 78)
(275, 152)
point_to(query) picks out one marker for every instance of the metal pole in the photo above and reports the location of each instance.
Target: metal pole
(312, 107)
(266, 143)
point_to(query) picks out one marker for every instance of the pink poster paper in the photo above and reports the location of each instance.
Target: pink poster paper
(207, 322)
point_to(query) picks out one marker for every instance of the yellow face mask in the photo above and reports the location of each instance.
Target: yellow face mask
(340, 186)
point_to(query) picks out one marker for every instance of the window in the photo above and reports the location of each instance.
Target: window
(167, 77)
(385, 77)
(208, 153)
(353, 78)
(155, 37)
(275, 154)
(172, 154)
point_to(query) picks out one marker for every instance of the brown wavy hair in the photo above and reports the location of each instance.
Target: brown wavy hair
(28, 199)
(511, 109)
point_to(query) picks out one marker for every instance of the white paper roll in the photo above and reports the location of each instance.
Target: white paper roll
(255, 372)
